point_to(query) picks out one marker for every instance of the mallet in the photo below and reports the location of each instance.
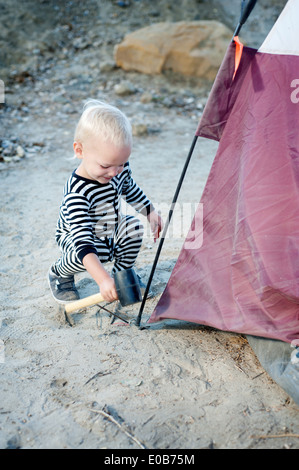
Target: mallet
(127, 287)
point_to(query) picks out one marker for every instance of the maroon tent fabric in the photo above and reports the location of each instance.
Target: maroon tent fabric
(244, 276)
(224, 93)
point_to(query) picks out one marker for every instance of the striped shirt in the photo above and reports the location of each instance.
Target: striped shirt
(90, 210)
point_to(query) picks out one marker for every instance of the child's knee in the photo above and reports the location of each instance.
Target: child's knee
(130, 228)
(135, 228)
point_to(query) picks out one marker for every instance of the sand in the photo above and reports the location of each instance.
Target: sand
(101, 383)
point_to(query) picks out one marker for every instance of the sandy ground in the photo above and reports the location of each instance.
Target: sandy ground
(100, 384)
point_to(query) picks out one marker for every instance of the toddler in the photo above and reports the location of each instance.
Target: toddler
(91, 230)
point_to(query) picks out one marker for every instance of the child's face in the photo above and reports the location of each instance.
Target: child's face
(101, 160)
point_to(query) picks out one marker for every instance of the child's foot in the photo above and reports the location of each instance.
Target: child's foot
(63, 288)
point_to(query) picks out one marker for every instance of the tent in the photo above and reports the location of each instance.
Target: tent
(243, 276)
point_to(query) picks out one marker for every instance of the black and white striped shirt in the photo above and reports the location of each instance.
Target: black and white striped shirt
(90, 210)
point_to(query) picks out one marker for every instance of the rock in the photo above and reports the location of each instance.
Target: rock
(193, 48)
(146, 97)
(107, 66)
(14, 442)
(139, 129)
(20, 151)
(11, 150)
(81, 43)
(123, 4)
(125, 88)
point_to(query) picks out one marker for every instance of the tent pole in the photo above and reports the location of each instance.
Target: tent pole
(175, 197)
(245, 12)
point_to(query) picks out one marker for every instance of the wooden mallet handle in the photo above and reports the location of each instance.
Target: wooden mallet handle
(81, 303)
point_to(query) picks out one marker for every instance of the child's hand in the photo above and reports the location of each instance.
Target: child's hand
(108, 289)
(103, 279)
(156, 223)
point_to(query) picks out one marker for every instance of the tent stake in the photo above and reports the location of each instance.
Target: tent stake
(170, 213)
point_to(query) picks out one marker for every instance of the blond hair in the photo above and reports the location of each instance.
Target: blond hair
(102, 119)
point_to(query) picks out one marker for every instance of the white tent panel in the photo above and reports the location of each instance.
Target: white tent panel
(284, 36)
